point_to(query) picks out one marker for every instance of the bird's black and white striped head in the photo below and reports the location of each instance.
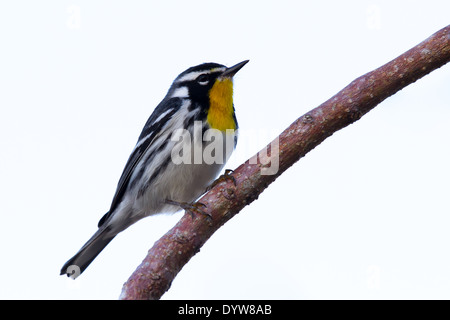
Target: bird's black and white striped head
(209, 87)
(195, 82)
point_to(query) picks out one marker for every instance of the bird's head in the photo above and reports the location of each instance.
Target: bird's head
(209, 85)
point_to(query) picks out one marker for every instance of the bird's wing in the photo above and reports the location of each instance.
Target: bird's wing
(163, 112)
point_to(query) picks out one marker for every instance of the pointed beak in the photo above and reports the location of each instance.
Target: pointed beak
(231, 71)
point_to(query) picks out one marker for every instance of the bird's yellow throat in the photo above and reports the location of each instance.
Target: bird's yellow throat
(220, 114)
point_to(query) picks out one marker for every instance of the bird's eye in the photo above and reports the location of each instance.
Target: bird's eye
(203, 79)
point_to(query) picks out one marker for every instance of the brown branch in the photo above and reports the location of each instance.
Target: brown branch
(170, 253)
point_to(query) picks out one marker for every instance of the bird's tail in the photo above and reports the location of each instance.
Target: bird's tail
(79, 262)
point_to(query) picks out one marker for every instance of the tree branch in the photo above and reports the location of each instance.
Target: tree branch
(169, 254)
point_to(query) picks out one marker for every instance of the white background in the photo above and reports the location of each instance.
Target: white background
(365, 215)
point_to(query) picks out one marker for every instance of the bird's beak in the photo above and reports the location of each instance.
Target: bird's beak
(231, 71)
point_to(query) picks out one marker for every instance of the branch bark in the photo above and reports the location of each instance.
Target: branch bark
(169, 254)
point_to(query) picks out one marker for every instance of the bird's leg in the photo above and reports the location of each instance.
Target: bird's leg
(191, 208)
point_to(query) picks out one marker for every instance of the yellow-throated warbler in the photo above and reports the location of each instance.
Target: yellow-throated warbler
(164, 172)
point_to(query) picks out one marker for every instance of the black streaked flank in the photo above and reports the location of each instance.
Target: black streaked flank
(147, 162)
(155, 174)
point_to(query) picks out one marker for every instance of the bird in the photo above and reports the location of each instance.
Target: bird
(181, 150)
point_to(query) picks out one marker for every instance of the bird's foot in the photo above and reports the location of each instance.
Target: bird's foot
(191, 208)
(225, 177)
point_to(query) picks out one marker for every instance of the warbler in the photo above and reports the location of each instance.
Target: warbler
(168, 169)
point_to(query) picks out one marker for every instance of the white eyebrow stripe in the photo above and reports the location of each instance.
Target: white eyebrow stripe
(191, 76)
(194, 74)
(181, 92)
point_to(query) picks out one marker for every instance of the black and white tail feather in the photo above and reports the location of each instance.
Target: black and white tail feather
(149, 176)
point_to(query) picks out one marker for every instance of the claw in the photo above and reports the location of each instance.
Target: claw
(225, 177)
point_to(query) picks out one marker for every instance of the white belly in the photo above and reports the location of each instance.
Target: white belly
(188, 180)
